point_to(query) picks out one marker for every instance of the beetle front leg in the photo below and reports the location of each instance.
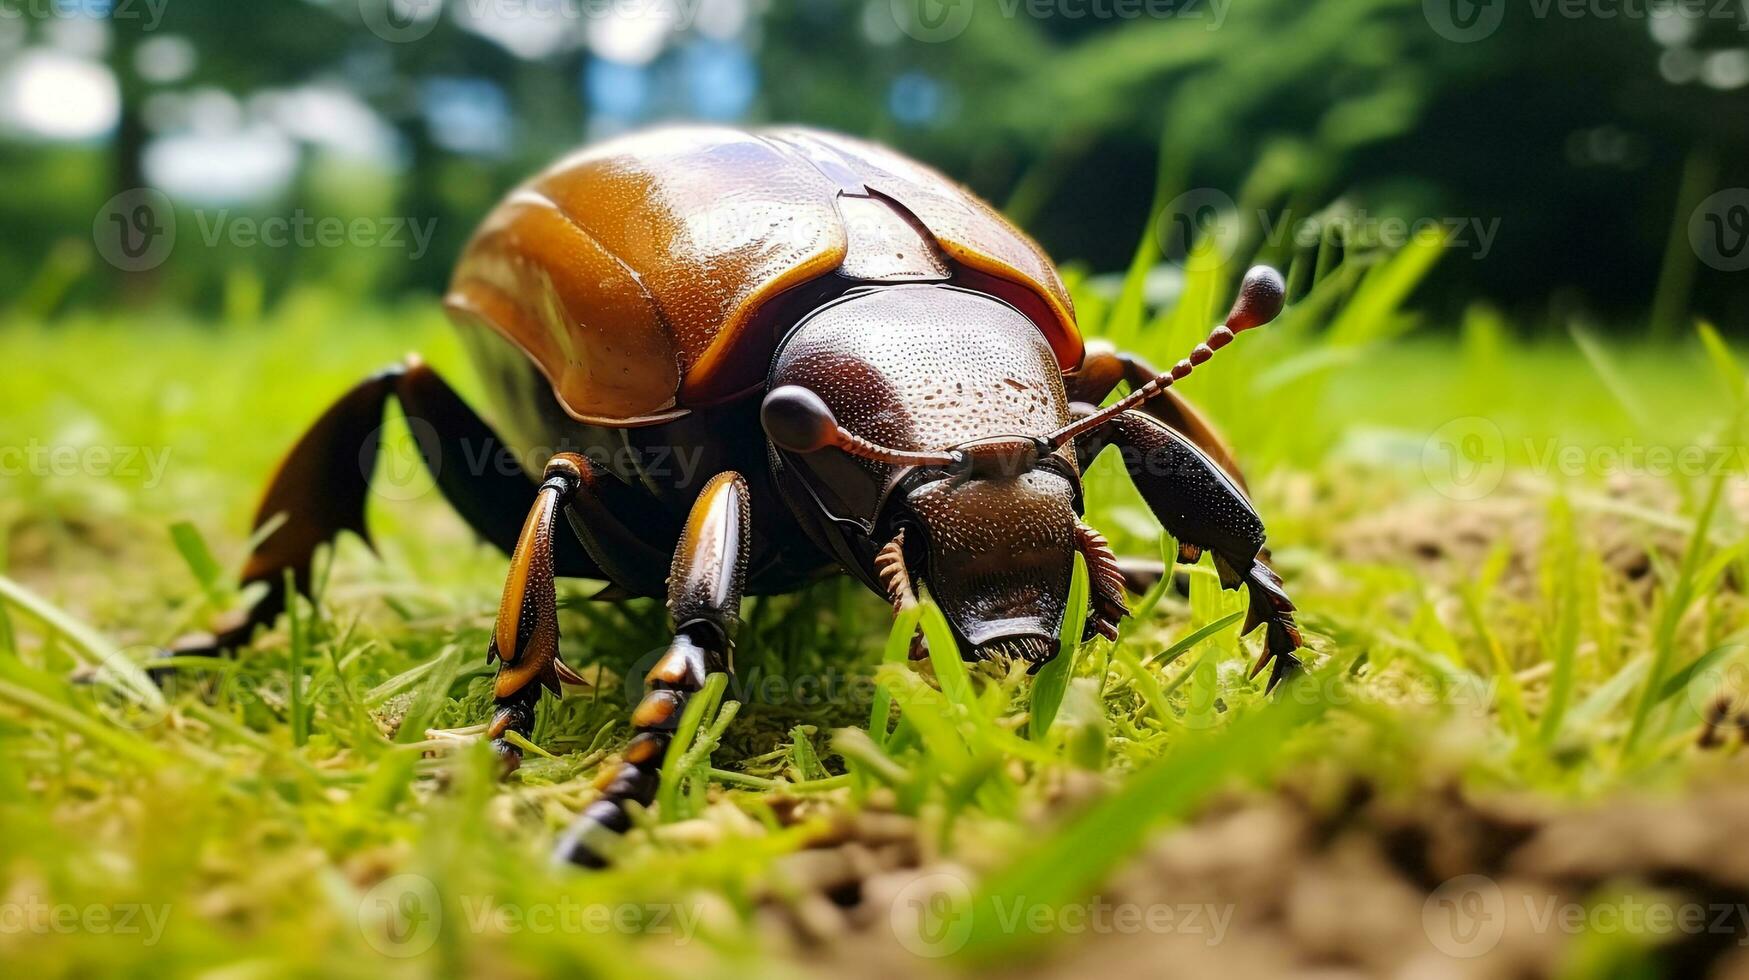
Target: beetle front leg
(705, 584)
(1198, 502)
(525, 639)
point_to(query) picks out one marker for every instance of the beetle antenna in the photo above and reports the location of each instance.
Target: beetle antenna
(856, 445)
(797, 419)
(1260, 299)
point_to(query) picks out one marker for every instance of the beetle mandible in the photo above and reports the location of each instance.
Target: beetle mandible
(871, 370)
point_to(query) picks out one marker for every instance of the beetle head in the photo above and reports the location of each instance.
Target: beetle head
(943, 410)
(990, 524)
(996, 554)
(921, 408)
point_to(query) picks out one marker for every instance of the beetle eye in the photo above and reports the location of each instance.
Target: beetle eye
(798, 419)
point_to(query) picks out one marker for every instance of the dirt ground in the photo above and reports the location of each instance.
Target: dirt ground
(1443, 886)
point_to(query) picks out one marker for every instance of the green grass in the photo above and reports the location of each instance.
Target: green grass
(1560, 635)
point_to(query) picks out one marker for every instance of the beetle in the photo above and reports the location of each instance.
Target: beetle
(872, 372)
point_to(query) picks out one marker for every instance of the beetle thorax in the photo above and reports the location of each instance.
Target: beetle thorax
(927, 367)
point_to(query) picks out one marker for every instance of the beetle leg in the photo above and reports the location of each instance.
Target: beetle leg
(323, 483)
(895, 574)
(1103, 368)
(1106, 584)
(525, 638)
(704, 598)
(1196, 500)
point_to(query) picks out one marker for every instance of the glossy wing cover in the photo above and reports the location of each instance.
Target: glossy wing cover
(634, 272)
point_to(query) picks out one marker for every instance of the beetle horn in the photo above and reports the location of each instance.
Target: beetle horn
(1260, 299)
(799, 420)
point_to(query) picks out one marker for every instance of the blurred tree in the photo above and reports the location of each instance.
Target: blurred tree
(1574, 134)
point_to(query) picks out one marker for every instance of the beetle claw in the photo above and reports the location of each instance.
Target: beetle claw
(1284, 665)
(1271, 608)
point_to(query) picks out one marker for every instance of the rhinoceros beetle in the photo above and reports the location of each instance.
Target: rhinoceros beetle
(879, 374)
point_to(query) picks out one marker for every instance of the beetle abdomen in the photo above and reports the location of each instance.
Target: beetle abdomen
(640, 275)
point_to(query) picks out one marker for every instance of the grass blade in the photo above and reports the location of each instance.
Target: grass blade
(897, 651)
(433, 692)
(78, 723)
(944, 656)
(193, 549)
(1053, 678)
(298, 629)
(1188, 643)
(1681, 595)
(1066, 865)
(1146, 685)
(668, 797)
(113, 667)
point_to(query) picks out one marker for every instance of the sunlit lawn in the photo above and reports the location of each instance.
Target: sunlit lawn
(1517, 565)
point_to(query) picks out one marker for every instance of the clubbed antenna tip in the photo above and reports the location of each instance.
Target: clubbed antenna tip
(1261, 296)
